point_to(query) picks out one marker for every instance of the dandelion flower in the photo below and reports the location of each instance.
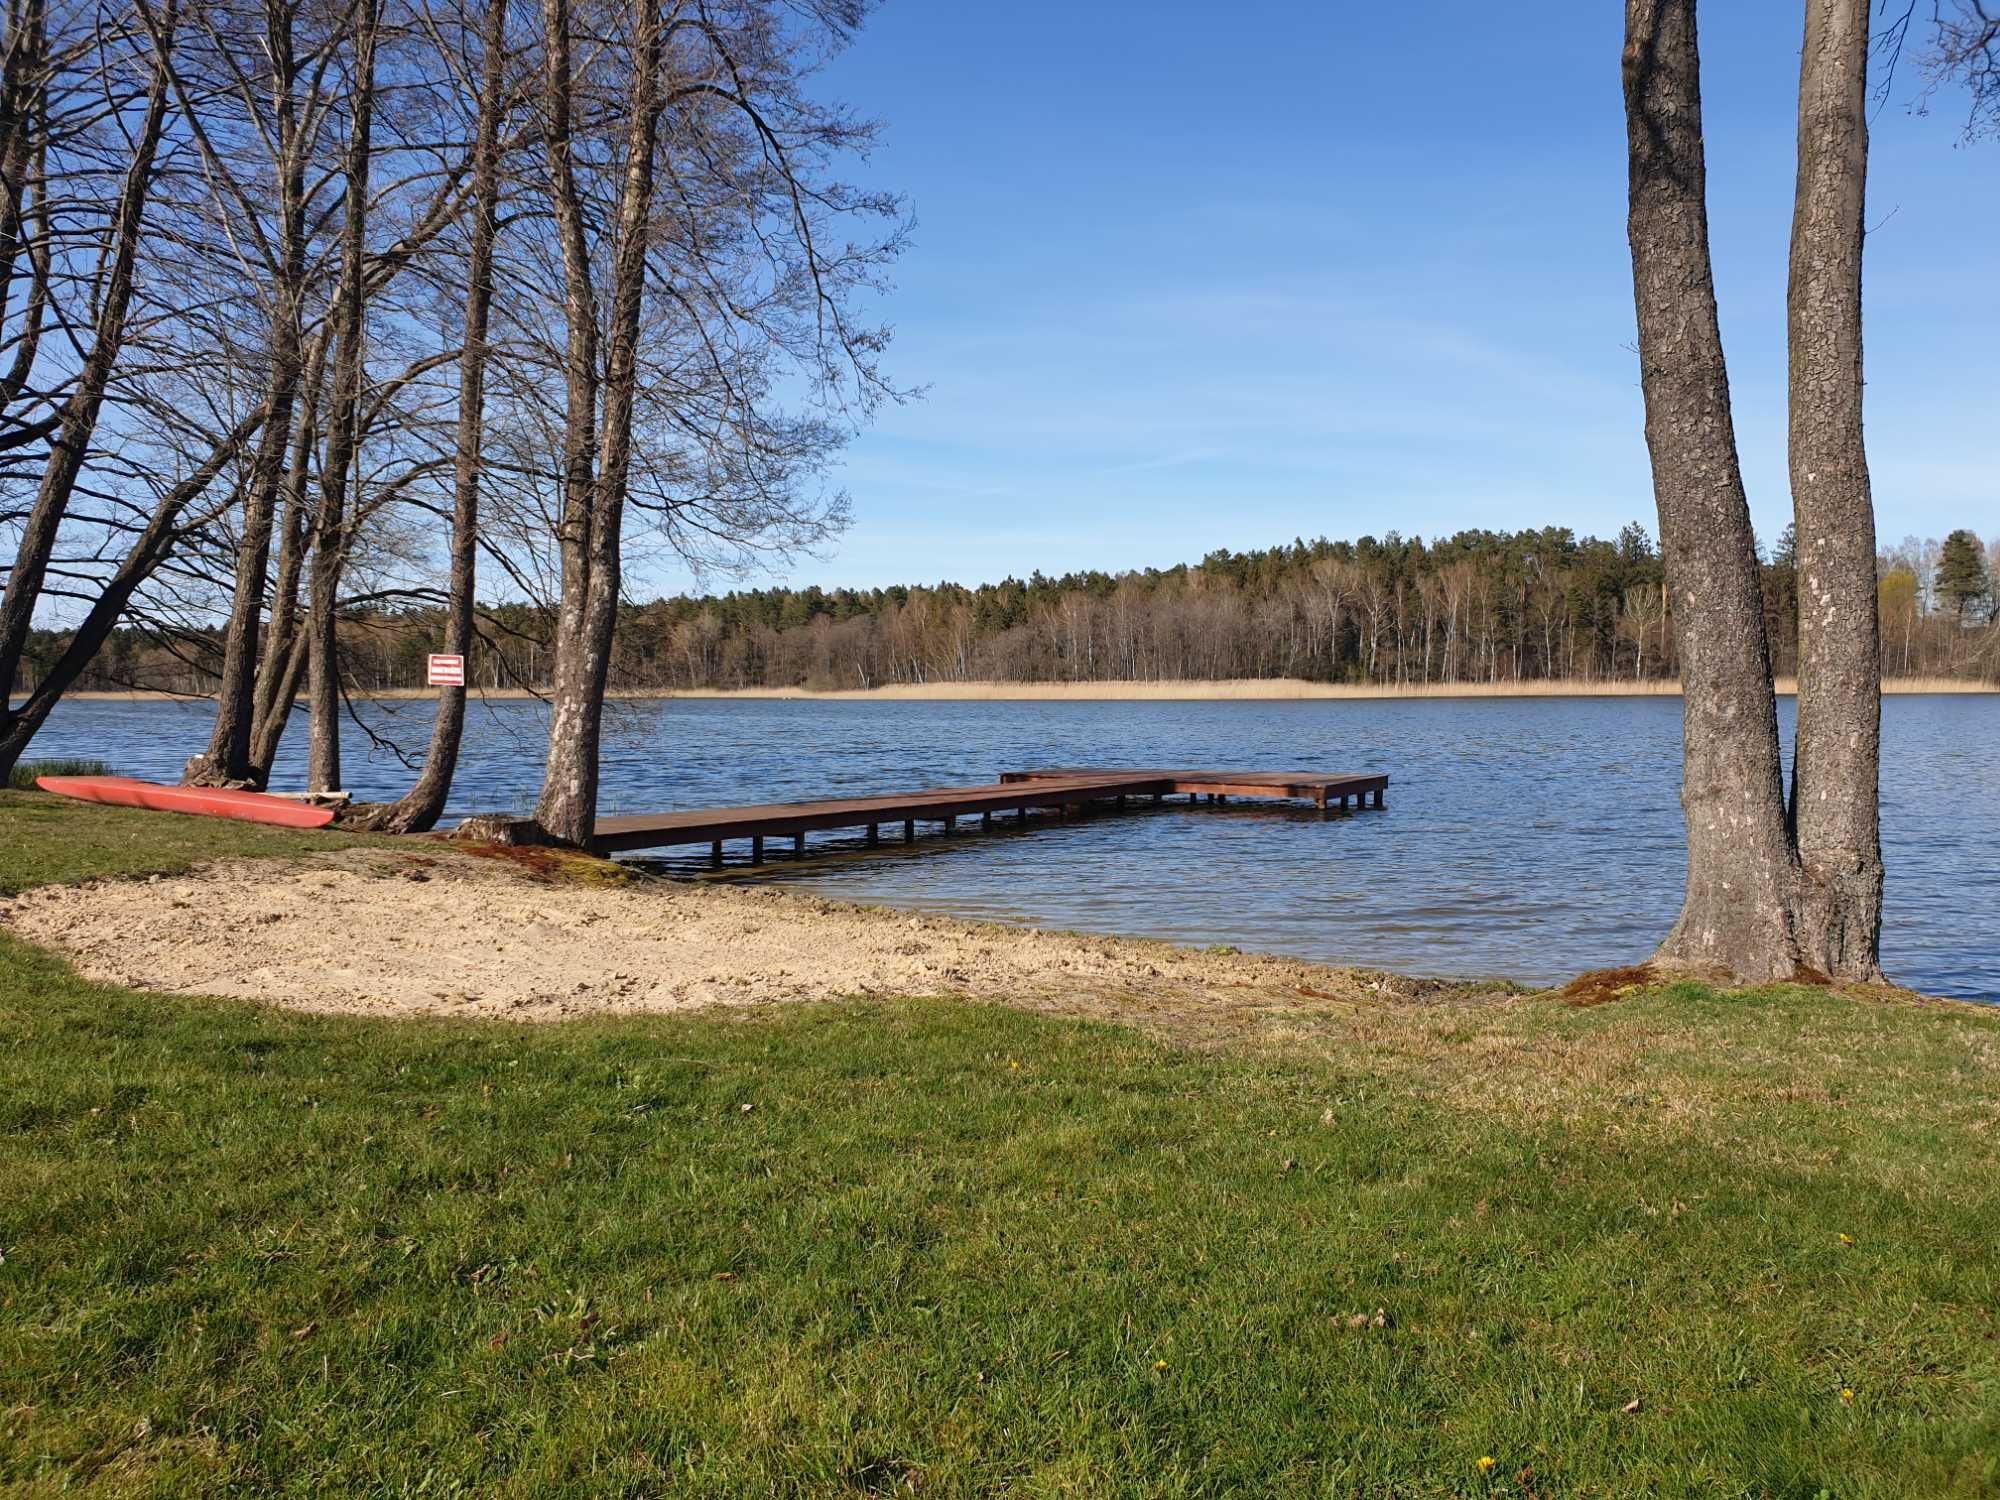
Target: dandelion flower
(1847, 1395)
(1846, 1238)
(1159, 1364)
(1486, 1463)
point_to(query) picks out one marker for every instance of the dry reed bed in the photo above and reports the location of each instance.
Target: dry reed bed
(1246, 689)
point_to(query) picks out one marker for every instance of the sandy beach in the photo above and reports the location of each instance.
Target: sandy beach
(437, 931)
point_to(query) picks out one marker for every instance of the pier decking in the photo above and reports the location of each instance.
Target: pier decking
(1018, 792)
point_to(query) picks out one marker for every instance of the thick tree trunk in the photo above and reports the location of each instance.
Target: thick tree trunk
(1741, 876)
(421, 807)
(569, 776)
(1836, 761)
(322, 650)
(594, 503)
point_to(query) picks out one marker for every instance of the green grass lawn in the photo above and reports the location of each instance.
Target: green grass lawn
(953, 1249)
(47, 840)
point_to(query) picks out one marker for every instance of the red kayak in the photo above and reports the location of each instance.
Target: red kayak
(214, 802)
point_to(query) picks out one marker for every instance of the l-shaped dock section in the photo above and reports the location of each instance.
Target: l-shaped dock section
(1061, 789)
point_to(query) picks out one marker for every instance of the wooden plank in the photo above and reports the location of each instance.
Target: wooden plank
(779, 819)
(1061, 788)
(1310, 785)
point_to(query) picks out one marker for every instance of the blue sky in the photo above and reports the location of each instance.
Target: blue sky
(1195, 276)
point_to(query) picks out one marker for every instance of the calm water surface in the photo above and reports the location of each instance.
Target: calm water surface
(1529, 838)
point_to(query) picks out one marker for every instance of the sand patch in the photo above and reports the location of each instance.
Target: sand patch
(389, 932)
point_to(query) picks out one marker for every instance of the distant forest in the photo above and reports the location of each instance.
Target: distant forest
(1478, 607)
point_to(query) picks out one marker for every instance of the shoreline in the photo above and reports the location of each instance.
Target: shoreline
(1224, 690)
(422, 928)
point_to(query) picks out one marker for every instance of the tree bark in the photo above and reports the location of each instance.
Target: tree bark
(282, 651)
(1837, 755)
(227, 759)
(594, 473)
(1741, 876)
(330, 530)
(421, 807)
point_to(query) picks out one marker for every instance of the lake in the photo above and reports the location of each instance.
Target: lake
(1530, 838)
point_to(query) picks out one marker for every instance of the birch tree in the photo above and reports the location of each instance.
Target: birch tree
(698, 280)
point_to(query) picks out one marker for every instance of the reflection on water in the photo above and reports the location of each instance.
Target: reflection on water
(1529, 838)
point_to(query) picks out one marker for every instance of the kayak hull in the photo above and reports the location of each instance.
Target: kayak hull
(205, 801)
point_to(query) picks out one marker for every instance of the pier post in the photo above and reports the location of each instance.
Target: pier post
(951, 825)
(909, 830)
(715, 853)
(798, 846)
(874, 834)
(986, 821)
(757, 849)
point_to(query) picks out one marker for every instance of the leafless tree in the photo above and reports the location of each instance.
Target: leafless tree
(424, 803)
(82, 119)
(1741, 872)
(1837, 756)
(696, 276)
(258, 92)
(1961, 49)
(1773, 889)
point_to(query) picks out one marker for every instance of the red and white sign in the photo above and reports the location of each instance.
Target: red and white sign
(446, 671)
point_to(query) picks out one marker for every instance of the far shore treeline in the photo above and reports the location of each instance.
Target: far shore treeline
(1478, 607)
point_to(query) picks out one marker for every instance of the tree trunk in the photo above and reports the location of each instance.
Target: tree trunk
(227, 758)
(593, 502)
(282, 653)
(330, 529)
(76, 428)
(1741, 875)
(421, 807)
(19, 725)
(1836, 759)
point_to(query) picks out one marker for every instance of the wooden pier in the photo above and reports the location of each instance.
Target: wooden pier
(1059, 789)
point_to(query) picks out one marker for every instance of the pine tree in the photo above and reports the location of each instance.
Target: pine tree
(1961, 576)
